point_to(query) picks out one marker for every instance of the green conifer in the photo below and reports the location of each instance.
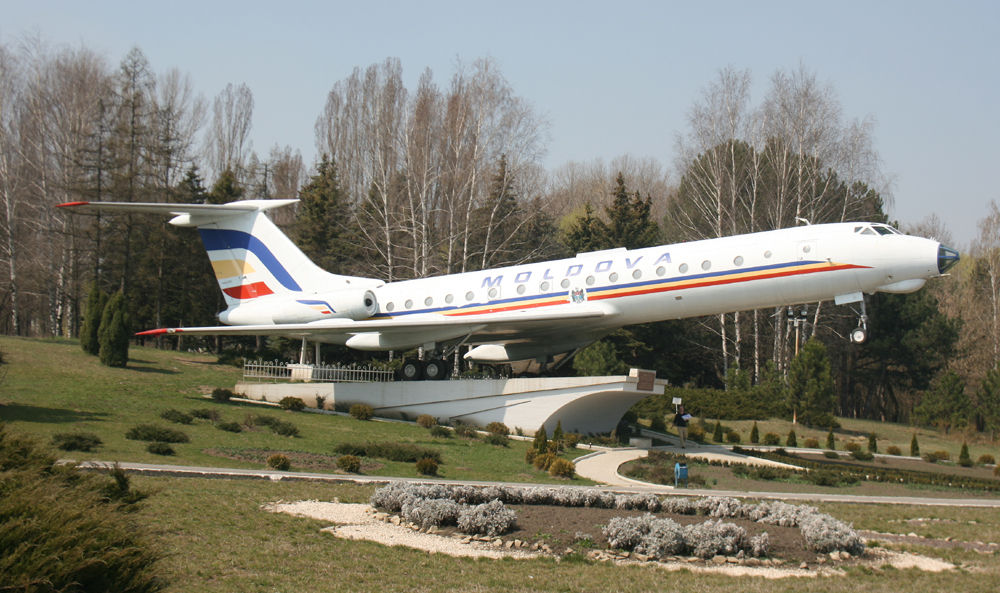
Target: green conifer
(115, 332)
(717, 433)
(541, 443)
(914, 447)
(792, 440)
(96, 301)
(831, 442)
(754, 434)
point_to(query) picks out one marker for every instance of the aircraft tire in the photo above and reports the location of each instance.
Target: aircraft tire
(859, 335)
(435, 369)
(412, 370)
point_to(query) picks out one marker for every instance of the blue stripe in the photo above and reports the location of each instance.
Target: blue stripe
(223, 239)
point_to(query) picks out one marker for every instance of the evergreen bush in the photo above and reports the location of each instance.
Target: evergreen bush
(221, 394)
(498, 428)
(717, 432)
(754, 434)
(293, 404)
(115, 332)
(67, 530)
(831, 442)
(285, 429)
(986, 459)
(426, 421)
(76, 441)
(349, 463)
(229, 426)
(771, 439)
(499, 440)
(893, 450)
(152, 432)
(279, 462)
(440, 432)
(96, 301)
(427, 466)
(176, 416)
(158, 448)
(361, 411)
(914, 446)
(562, 468)
(872, 443)
(732, 437)
(963, 457)
(791, 441)
(811, 443)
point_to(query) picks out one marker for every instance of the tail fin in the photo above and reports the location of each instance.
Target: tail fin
(251, 257)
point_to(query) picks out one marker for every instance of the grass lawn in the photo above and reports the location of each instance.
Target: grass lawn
(52, 387)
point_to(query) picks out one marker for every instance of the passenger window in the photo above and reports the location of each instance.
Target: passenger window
(428, 301)
(520, 289)
(448, 298)
(408, 304)
(613, 277)
(469, 296)
(706, 265)
(738, 261)
(683, 269)
(390, 307)
(660, 271)
(637, 274)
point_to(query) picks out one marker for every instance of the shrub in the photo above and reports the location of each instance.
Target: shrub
(440, 432)
(67, 530)
(431, 512)
(963, 457)
(151, 432)
(713, 538)
(268, 421)
(221, 394)
(986, 459)
(772, 439)
(914, 446)
(115, 332)
(426, 421)
(811, 443)
(831, 455)
(717, 432)
(791, 441)
(466, 431)
(285, 429)
(500, 440)
(862, 455)
(733, 437)
(529, 456)
(825, 534)
(498, 428)
(491, 518)
(427, 466)
(544, 461)
(320, 402)
(158, 448)
(361, 412)
(293, 404)
(349, 463)
(76, 441)
(893, 450)
(571, 439)
(206, 414)
(831, 442)
(176, 416)
(853, 447)
(229, 426)
(562, 468)
(936, 456)
(872, 443)
(696, 433)
(754, 434)
(279, 462)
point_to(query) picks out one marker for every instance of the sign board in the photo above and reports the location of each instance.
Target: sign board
(646, 380)
(677, 401)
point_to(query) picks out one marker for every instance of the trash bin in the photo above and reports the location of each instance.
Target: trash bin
(680, 474)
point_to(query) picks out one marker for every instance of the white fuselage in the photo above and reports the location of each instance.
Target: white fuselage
(783, 267)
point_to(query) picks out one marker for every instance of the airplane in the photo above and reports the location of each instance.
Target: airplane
(541, 312)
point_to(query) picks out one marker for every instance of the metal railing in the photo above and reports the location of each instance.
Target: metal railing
(286, 371)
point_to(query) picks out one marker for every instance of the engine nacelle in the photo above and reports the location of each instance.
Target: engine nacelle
(356, 304)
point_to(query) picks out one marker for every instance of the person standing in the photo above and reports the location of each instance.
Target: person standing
(681, 423)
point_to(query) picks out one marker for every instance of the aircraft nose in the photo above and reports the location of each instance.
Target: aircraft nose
(947, 257)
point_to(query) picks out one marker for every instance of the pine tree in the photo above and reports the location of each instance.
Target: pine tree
(323, 225)
(541, 442)
(629, 222)
(831, 442)
(226, 189)
(115, 332)
(557, 434)
(964, 459)
(792, 440)
(586, 232)
(914, 447)
(96, 301)
(872, 443)
(810, 385)
(754, 434)
(717, 433)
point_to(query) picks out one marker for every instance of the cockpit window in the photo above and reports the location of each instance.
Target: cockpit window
(880, 229)
(864, 230)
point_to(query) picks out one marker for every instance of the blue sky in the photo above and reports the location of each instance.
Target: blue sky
(611, 78)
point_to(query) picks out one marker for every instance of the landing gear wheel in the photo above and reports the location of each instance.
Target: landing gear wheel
(435, 369)
(412, 370)
(859, 335)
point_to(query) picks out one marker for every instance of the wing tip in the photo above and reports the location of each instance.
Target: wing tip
(157, 332)
(72, 204)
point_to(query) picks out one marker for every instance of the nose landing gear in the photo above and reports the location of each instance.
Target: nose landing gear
(860, 333)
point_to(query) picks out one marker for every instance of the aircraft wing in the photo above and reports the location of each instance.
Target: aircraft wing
(418, 330)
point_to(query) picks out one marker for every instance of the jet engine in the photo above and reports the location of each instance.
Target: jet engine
(356, 304)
